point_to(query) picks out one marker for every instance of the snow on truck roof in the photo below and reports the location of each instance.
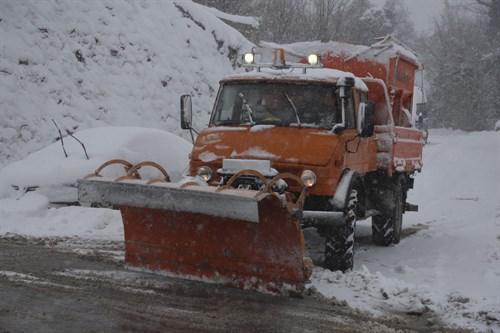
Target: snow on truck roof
(382, 51)
(295, 74)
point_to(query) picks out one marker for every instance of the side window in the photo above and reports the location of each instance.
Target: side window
(351, 113)
(227, 104)
(363, 97)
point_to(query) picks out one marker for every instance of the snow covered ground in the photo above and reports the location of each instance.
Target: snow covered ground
(451, 266)
(447, 267)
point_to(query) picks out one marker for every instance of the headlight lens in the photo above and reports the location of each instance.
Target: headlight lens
(313, 59)
(205, 173)
(249, 58)
(308, 178)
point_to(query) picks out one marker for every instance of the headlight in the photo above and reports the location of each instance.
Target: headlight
(312, 59)
(248, 58)
(308, 178)
(205, 173)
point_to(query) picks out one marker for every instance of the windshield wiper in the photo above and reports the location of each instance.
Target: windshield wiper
(248, 108)
(294, 108)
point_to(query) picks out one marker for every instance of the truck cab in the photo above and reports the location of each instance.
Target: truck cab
(297, 122)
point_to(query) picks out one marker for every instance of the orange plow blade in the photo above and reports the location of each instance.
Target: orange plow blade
(268, 255)
(262, 251)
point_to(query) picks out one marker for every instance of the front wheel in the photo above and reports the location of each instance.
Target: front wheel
(386, 227)
(339, 247)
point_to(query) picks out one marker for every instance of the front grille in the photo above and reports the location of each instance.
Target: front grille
(243, 182)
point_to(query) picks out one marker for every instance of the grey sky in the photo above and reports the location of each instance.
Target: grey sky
(423, 12)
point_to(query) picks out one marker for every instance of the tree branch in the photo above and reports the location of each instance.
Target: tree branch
(83, 146)
(60, 135)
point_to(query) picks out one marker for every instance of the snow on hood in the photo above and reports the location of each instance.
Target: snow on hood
(307, 146)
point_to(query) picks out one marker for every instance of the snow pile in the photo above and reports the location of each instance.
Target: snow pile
(55, 177)
(56, 174)
(31, 216)
(96, 63)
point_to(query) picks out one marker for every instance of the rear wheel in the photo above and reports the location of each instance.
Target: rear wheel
(339, 248)
(386, 227)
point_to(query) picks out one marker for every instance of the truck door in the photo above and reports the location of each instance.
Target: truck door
(360, 152)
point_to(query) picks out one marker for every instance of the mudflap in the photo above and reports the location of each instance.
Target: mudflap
(267, 255)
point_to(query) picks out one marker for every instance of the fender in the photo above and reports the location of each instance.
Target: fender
(350, 179)
(340, 197)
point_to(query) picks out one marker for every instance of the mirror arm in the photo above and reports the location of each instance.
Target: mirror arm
(191, 130)
(192, 136)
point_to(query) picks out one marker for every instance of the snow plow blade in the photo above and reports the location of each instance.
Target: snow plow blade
(239, 238)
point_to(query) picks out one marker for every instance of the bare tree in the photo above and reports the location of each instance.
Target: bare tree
(323, 17)
(398, 16)
(465, 85)
(352, 21)
(354, 27)
(240, 7)
(283, 21)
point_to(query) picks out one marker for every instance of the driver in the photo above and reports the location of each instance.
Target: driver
(269, 108)
(318, 109)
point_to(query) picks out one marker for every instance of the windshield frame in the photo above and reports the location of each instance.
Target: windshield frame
(329, 88)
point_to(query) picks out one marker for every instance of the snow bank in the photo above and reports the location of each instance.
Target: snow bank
(95, 63)
(52, 171)
(31, 216)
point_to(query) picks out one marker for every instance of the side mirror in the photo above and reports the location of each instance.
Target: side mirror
(366, 119)
(186, 112)
(422, 109)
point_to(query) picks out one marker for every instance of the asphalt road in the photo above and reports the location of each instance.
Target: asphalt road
(45, 287)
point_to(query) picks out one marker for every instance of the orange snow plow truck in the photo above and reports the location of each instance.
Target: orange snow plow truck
(290, 145)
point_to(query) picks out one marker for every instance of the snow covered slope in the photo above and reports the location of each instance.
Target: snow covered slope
(99, 63)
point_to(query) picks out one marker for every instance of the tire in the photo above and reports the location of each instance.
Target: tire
(339, 247)
(386, 227)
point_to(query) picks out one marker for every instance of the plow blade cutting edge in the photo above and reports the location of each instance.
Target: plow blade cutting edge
(240, 238)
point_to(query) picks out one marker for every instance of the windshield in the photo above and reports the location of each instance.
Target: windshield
(285, 104)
